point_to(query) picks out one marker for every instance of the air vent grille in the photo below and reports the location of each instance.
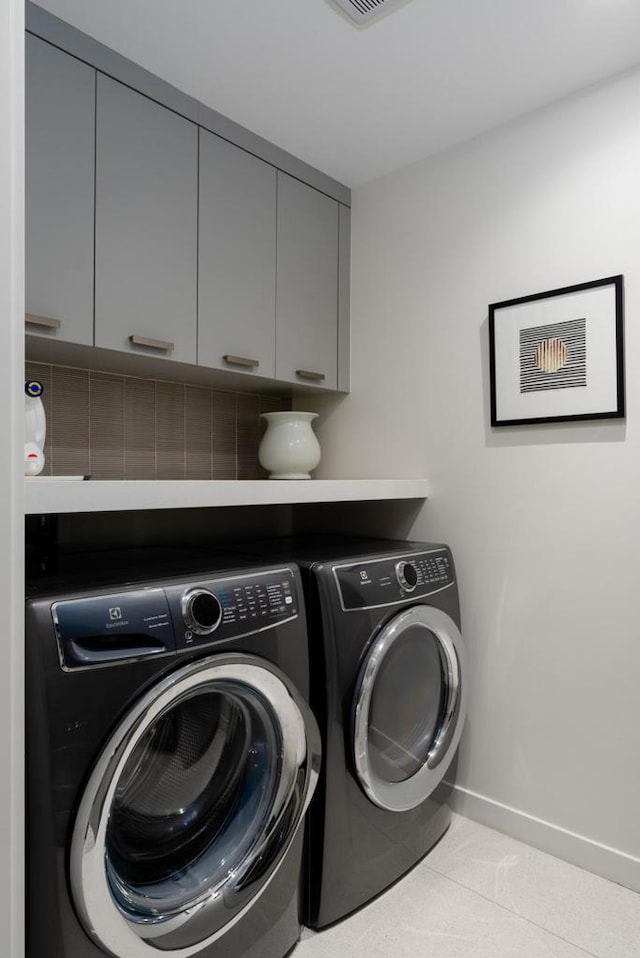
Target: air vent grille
(363, 11)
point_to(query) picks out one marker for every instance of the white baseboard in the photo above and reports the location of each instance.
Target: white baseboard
(608, 862)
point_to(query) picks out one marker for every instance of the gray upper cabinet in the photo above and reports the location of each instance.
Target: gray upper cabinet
(146, 225)
(307, 285)
(236, 259)
(59, 193)
(149, 235)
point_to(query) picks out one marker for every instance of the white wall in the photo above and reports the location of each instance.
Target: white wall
(11, 505)
(544, 521)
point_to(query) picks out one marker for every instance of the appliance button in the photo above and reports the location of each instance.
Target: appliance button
(201, 611)
(407, 576)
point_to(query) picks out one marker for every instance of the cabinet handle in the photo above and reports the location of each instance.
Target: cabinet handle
(241, 361)
(310, 374)
(42, 321)
(152, 343)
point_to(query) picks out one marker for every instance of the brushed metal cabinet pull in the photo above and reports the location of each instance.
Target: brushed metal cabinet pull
(45, 321)
(310, 374)
(152, 343)
(241, 361)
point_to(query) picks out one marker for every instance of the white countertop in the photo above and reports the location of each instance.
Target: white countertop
(59, 495)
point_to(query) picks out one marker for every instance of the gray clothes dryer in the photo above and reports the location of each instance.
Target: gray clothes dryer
(388, 687)
(171, 757)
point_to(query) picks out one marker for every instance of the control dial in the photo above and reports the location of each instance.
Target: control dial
(201, 611)
(407, 575)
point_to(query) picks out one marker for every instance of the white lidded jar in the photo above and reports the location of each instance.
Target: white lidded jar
(289, 448)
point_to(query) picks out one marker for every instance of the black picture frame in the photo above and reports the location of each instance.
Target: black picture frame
(558, 356)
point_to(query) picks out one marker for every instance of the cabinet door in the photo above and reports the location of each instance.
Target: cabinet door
(59, 193)
(146, 225)
(236, 259)
(344, 299)
(307, 285)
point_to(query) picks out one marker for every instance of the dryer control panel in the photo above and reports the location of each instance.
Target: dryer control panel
(380, 582)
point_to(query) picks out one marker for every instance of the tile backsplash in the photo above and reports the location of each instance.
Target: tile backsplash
(119, 427)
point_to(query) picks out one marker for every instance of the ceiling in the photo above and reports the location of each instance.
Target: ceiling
(358, 102)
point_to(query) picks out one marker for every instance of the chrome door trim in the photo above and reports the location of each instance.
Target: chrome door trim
(105, 922)
(407, 794)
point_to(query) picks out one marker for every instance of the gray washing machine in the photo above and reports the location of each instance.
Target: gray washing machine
(388, 687)
(171, 757)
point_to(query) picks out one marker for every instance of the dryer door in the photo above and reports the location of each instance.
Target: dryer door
(409, 707)
(191, 807)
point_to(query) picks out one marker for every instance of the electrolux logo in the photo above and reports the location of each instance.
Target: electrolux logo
(116, 620)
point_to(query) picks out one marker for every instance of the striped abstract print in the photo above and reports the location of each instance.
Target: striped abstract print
(553, 356)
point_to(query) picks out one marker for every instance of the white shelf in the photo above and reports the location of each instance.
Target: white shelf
(50, 495)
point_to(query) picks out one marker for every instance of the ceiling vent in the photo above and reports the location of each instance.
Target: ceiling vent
(364, 11)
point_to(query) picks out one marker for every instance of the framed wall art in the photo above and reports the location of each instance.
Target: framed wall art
(558, 356)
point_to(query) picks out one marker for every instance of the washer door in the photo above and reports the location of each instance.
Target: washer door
(409, 708)
(191, 807)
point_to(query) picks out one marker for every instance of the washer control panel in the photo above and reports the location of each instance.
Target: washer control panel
(146, 621)
(228, 608)
(379, 582)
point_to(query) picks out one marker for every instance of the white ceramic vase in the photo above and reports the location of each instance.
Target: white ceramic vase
(289, 448)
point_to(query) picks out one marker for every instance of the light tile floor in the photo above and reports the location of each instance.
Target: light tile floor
(480, 894)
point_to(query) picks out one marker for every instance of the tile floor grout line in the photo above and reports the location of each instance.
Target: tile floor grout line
(510, 911)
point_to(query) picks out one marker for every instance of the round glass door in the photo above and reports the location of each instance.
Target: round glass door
(192, 806)
(409, 707)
